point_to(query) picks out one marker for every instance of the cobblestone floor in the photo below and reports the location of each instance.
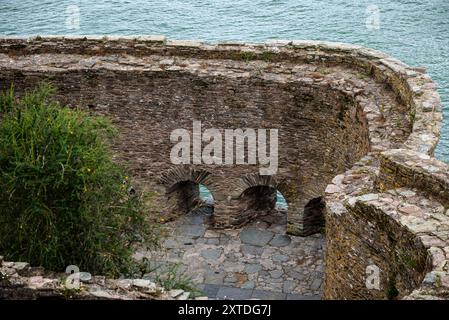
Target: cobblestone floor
(258, 261)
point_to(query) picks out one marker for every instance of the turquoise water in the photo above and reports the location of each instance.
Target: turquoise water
(205, 194)
(416, 32)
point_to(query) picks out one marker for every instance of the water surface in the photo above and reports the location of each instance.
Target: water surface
(417, 32)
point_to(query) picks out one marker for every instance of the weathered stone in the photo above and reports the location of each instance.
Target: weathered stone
(252, 268)
(280, 241)
(332, 188)
(410, 209)
(368, 197)
(268, 295)
(211, 290)
(256, 237)
(316, 284)
(193, 230)
(175, 293)
(38, 282)
(234, 293)
(214, 277)
(212, 254)
(147, 285)
(280, 258)
(288, 286)
(248, 285)
(252, 250)
(276, 274)
(102, 294)
(230, 279)
(21, 267)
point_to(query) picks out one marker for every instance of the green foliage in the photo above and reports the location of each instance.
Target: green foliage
(267, 56)
(63, 200)
(167, 276)
(247, 56)
(412, 117)
(324, 71)
(6, 100)
(408, 261)
(173, 278)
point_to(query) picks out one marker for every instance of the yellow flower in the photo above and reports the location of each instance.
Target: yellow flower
(88, 169)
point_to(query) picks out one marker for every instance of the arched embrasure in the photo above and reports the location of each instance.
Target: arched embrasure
(182, 188)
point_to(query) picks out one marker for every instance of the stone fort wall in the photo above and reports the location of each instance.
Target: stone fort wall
(357, 129)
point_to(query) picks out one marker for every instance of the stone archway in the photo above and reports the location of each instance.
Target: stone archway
(182, 190)
(258, 196)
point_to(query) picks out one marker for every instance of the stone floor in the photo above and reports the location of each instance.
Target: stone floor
(258, 261)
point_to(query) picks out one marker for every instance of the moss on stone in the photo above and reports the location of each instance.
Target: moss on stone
(247, 56)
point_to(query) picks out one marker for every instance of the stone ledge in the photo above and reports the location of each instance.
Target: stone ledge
(402, 167)
(20, 281)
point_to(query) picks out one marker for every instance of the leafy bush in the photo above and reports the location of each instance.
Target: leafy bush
(63, 200)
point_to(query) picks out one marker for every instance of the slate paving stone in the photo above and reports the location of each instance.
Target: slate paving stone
(248, 285)
(315, 284)
(230, 279)
(268, 295)
(224, 239)
(232, 293)
(214, 277)
(211, 290)
(280, 258)
(251, 259)
(288, 286)
(252, 268)
(170, 243)
(296, 275)
(264, 273)
(195, 219)
(280, 240)
(192, 230)
(212, 254)
(253, 250)
(256, 237)
(213, 241)
(276, 274)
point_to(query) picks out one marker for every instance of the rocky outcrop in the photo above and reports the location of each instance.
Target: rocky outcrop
(18, 280)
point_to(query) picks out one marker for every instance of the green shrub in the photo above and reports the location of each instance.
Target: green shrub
(63, 200)
(168, 276)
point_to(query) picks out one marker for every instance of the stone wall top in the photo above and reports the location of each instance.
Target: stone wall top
(411, 84)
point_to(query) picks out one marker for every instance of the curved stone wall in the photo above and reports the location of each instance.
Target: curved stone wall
(352, 121)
